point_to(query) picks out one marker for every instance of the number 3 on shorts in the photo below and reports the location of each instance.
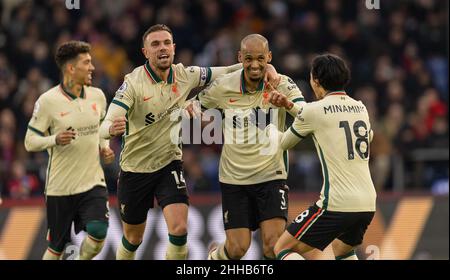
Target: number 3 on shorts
(283, 200)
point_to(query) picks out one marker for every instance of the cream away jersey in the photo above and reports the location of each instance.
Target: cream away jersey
(245, 159)
(73, 168)
(152, 108)
(342, 133)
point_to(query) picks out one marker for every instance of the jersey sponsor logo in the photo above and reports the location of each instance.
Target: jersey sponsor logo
(192, 69)
(147, 98)
(233, 100)
(63, 114)
(149, 118)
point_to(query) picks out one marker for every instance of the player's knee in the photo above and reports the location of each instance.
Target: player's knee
(340, 248)
(236, 250)
(269, 244)
(97, 229)
(133, 239)
(268, 250)
(178, 229)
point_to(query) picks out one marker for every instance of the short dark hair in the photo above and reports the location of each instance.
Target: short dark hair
(331, 71)
(69, 51)
(154, 28)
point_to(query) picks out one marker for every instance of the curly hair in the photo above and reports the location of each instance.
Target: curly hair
(331, 71)
(69, 51)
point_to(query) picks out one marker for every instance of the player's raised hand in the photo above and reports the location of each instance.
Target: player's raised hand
(278, 99)
(107, 155)
(65, 137)
(271, 77)
(118, 126)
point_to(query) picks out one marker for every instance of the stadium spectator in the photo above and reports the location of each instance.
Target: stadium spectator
(21, 185)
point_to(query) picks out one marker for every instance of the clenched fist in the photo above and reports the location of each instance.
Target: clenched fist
(65, 137)
(280, 100)
(118, 126)
(107, 155)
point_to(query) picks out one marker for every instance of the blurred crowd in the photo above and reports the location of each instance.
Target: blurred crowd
(398, 56)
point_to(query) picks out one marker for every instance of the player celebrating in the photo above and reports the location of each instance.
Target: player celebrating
(65, 122)
(150, 161)
(342, 132)
(254, 193)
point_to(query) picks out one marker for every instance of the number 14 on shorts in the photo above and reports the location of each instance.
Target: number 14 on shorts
(181, 183)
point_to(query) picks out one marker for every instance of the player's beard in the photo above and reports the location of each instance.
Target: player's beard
(164, 66)
(255, 78)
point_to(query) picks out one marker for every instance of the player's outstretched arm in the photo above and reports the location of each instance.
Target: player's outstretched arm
(271, 75)
(114, 123)
(286, 140)
(290, 138)
(103, 143)
(218, 71)
(301, 127)
(36, 141)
